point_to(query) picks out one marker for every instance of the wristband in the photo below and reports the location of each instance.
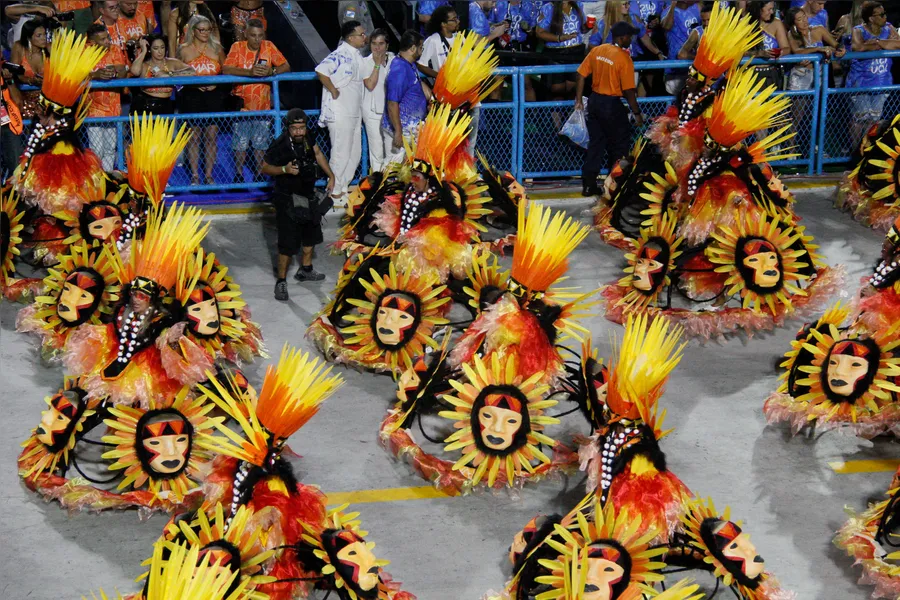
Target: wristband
(284, 168)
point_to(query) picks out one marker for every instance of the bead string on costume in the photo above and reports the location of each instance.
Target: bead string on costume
(128, 333)
(236, 489)
(613, 444)
(412, 207)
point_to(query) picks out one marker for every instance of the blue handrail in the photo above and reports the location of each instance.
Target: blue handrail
(823, 103)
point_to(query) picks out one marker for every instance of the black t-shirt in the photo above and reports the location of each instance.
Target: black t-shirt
(281, 153)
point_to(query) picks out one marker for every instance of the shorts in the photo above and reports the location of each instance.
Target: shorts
(801, 78)
(292, 236)
(567, 55)
(868, 107)
(247, 132)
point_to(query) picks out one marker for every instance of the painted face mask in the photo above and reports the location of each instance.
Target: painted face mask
(847, 365)
(608, 571)
(80, 296)
(354, 561)
(649, 268)
(738, 552)
(203, 312)
(101, 221)
(762, 262)
(165, 438)
(395, 319)
(59, 419)
(500, 419)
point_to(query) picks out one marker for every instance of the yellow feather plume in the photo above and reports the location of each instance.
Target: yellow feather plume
(466, 74)
(730, 35)
(292, 391)
(154, 149)
(170, 239)
(544, 242)
(442, 133)
(745, 106)
(184, 575)
(66, 70)
(649, 352)
(685, 589)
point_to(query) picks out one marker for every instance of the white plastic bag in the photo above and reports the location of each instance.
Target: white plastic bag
(575, 129)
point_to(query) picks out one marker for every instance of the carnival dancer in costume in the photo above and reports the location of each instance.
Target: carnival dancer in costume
(388, 301)
(719, 231)
(11, 287)
(503, 373)
(845, 377)
(871, 539)
(253, 475)
(869, 191)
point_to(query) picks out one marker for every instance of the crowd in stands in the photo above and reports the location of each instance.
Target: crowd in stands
(164, 38)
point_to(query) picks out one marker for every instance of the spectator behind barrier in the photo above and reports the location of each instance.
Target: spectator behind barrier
(30, 52)
(179, 21)
(688, 50)
(292, 160)
(107, 102)
(20, 14)
(151, 61)
(342, 97)
(843, 33)
(678, 22)
(242, 13)
(807, 40)
(424, 10)
(374, 71)
(406, 98)
(873, 35)
(815, 13)
(109, 18)
(561, 26)
(134, 23)
(441, 30)
(11, 143)
(256, 57)
(82, 15)
(204, 53)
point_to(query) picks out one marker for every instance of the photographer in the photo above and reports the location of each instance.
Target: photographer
(10, 122)
(21, 13)
(292, 160)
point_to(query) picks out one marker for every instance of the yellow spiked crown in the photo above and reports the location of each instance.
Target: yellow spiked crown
(729, 36)
(67, 69)
(745, 106)
(154, 149)
(466, 76)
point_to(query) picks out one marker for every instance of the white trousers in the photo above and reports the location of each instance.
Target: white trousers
(372, 122)
(389, 154)
(102, 140)
(346, 150)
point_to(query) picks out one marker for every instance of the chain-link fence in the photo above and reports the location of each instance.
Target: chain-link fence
(514, 135)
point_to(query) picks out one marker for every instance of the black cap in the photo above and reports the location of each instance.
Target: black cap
(295, 115)
(623, 28)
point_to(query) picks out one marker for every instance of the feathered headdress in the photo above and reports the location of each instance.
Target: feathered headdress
(746, 106)
(171, 238)
(441, 135)
(543, 244)
(67, 69)
(155, 147)
(730, 35)
(649, 352)
(465, 77)
(290, 396)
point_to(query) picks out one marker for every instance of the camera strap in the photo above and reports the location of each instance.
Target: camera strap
(9, 112)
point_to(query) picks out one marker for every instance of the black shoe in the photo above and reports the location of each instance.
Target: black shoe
(281, 291)
(590, 190)
(311, 275)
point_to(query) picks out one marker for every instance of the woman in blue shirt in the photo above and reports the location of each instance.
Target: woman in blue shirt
(561, 26)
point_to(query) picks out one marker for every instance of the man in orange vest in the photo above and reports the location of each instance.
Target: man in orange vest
(11, 145)
(612, 72)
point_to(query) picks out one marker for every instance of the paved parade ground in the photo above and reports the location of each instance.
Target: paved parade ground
(790, 492)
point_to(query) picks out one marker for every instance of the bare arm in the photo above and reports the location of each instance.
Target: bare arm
(689, 48)
(426, 90)
(893, 41)
(631, 97)
(498, 31)
(649, 45)
(426, 70)
(393, 110)
(179, 68)
(172, 30)
(669, 20)
(271, 170)
(858, 45)
(579, 92)
(372, 80)
(14, 11)
(782, 37)
(328, 85)
(137, 67)
(282, 68)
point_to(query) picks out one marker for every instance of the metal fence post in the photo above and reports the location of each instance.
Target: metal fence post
(519, 142)
(276, 105)
(815, 150)
(516, 124)
(822, 115)
(120, 146)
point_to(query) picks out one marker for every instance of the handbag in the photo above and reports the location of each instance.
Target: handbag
(310, 210)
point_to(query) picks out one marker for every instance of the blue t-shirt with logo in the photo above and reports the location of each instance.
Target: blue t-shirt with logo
(480, 22)
(683, 23)
(427, 7)
(403, 87)
(635, 49)
(872, 72)
(570, 24)
(820, 19)
(520, 16)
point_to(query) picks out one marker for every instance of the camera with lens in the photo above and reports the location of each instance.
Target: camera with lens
(65, 16)
(15, 69)
(131, 47)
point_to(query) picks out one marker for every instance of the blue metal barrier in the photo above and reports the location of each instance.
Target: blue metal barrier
(520, 136)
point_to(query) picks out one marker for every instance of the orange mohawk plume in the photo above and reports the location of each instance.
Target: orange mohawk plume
(66, 71)
(292, 392)
(543, 245)
(729, 36)
(151, 157)
(170, 239)
(466, 76)
(443, 133)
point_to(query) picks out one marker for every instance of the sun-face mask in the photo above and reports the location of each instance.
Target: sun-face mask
(761, 262)
(165, 443)
(608, 571)
(203, 312)
(499, 420)
(101, 221)
(395, 319)
(80, 296)
(847, 364)
(733, 547)
(648, 269)
(59, 419)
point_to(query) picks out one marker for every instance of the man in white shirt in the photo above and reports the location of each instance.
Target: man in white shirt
(442, 29)
(342, 79)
